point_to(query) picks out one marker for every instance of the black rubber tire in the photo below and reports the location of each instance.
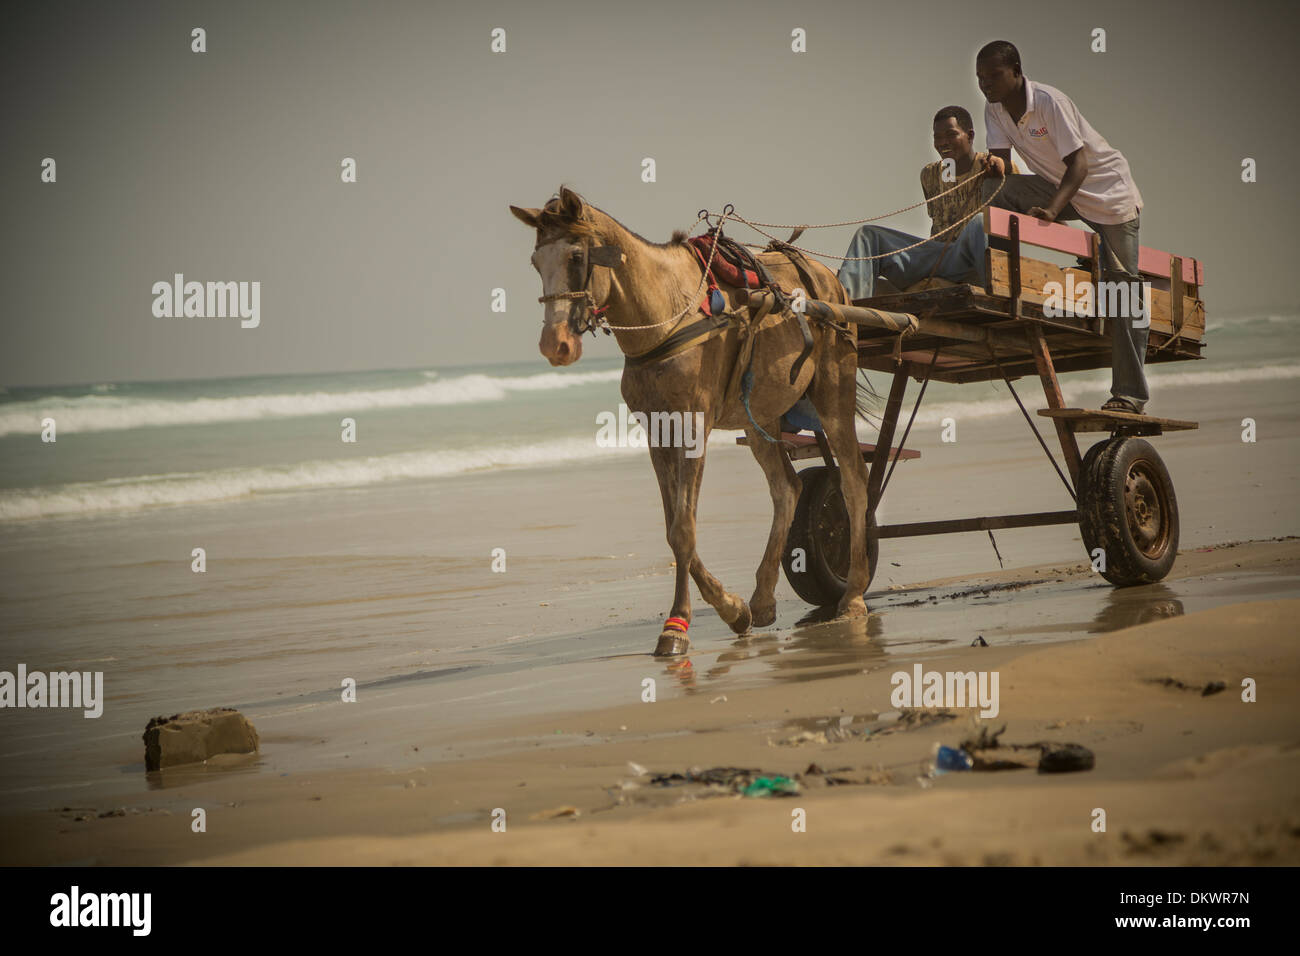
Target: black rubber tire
(1087, 526)
(821, 528)
(1127, 507)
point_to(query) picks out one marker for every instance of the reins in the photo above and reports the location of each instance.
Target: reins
(594, 316)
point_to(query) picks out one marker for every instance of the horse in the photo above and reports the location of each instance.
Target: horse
(595, 271)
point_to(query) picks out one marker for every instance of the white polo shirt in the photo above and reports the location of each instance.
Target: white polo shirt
(1053, 128)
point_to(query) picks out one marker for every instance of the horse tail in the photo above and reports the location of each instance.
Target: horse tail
(866, 400)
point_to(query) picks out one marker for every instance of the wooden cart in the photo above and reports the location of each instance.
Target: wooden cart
(1122, 497)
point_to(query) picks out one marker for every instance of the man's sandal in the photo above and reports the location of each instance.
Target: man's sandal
(1122, 405)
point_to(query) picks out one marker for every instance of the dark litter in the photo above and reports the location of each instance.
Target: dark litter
(987, 752)
(1065, 758)
(979, 642)
(714, 776)
(1213, 687)
(749, 782)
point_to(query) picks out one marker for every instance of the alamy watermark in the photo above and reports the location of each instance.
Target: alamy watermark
(75, 908)
(946, 689)
(77, 689)
(624, 429)
(1129, 299)
(211, 300)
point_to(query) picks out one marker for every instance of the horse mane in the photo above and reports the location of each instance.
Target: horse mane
(553, 222)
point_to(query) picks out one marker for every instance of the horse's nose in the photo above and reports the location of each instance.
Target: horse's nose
(559, 346)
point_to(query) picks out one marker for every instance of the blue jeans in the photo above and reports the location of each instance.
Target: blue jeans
(964, 256)
(1119, 262)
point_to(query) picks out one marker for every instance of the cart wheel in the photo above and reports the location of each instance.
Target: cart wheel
(821, 529)
(1128, 509)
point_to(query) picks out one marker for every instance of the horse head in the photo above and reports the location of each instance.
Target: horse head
(576, 273)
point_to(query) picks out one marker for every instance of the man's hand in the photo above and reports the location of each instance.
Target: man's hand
(996, 167)
(1038, 212)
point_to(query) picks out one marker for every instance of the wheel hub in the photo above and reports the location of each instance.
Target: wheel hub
(1145, 511)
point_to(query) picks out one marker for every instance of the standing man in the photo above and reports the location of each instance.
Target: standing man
(957, 249)
(1075, 174)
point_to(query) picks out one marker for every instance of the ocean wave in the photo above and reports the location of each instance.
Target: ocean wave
(103, 412)
(1099, 384)
(146, 491)
(1244, 323)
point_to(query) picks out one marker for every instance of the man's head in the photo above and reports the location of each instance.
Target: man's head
(997, 67)
(954, 133)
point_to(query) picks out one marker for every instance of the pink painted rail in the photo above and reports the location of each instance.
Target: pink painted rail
(1075, 242)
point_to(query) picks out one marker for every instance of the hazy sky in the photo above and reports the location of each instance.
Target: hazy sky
(225, 165)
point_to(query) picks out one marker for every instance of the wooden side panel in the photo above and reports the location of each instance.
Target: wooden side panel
(1035, 276)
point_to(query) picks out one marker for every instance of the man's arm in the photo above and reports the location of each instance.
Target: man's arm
(1076, 171)
(1003, 156)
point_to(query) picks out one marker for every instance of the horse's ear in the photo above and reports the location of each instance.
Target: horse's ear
(529, 217)
(570, 203)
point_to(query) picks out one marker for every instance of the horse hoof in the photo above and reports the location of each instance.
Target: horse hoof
(851, 609)
(762, 617)
(743, 620)
(672, 644)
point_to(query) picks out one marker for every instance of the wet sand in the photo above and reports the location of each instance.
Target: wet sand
(1182, 778)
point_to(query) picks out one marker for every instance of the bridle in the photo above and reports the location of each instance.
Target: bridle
(591, 317)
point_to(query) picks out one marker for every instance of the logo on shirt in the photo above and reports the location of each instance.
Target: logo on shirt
(1038, 133)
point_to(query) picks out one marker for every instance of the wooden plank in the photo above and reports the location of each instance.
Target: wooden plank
(1052, 390)
(1035, 275)
(1097, 420)
(1076, 242)
(806, 447)
(885, 438)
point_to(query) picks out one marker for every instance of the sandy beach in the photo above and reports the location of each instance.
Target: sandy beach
(1182, 777)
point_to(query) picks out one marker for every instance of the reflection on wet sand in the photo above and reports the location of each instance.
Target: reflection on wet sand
(1129, 607)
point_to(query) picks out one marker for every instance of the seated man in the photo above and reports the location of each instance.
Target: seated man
(957, 251)
(1076, 174)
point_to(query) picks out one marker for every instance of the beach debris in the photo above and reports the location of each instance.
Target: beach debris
(801, 738)
(912, 718)
(555, 813)
(979, 642)
(1047, 756)
(747, 781)
(1065, 758)
(1213, 687)
(823, 730)
(842, 776)
(197, 735)
(1009, 757)
(636, 770)
(1151, 841)
(948, 759)
(731, 777)
(771, 787)
(720, 699)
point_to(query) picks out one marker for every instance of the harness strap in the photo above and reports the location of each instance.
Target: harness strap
(682, 339)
